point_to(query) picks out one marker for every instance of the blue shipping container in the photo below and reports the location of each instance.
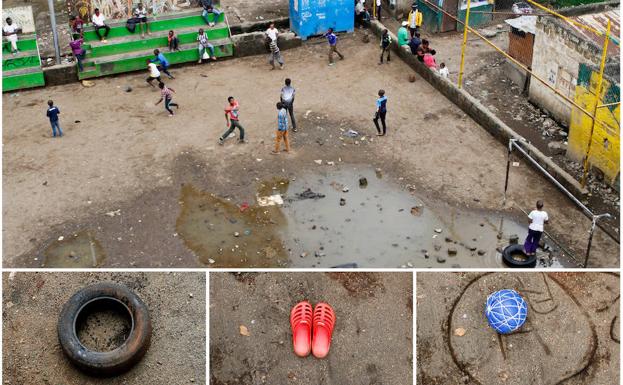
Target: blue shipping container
(315, 17)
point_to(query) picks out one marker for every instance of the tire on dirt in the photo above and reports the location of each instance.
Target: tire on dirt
(509, 251)
(123, 357)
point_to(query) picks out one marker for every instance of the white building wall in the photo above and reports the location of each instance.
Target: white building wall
(556, 59)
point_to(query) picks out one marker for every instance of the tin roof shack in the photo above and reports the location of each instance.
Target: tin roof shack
(520, 47)
(559, 50)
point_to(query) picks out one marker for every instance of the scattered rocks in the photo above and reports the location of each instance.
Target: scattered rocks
(481, 252)
(449, 240)
(452, 251)
(438, 231)
(557, 148)
(416, 211)
(342, 202)
(363, 182)
(441, 259)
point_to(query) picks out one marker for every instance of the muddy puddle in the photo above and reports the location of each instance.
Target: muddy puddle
(79, 250)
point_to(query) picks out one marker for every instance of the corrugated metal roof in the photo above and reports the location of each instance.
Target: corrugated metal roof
(599, 22)
(523, 23)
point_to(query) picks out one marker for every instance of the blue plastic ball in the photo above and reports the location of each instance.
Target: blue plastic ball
(506, 311)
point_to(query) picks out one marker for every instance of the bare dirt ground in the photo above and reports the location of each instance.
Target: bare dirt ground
(571, 336)
(114, 185)
(32, 303)
(372, 339)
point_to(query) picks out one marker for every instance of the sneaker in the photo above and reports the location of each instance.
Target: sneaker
(104, 41)
(214, 58)
(331, 64)
(199, 62)
(274, 152)
(242, 141)
(220, 141)
(294, 129)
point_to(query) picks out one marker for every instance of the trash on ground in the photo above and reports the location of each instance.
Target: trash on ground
(271, 200)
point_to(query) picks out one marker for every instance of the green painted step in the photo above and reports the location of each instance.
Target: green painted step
(164, 24)
(22, 78)
(24, 43)
(23, 59)
(155, 40)
(137, 61)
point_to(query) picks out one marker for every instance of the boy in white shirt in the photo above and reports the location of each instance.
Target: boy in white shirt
(98, 23)
(272, 33)
(11, 30)
(154, 74)
(443, 70)
(538, 218)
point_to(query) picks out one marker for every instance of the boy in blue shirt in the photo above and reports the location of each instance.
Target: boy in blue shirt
(52, 113)
(381, 111)
(332, 39)
(282, 129)
(164, 63)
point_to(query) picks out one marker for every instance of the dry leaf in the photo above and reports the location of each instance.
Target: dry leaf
(244, 331)
(459, 332)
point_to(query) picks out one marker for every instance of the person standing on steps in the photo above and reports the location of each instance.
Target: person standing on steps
(166, 94)
(77, 50)
(204, 45)
(381, 111)
(538, 219)
(332, 39)
(140, 15)
(232, 117)
(209, 8)
(52, 114)
(386, 42)
(99, 22)
(164, 63)
(282, 129)
(10, 31)
(287, 98)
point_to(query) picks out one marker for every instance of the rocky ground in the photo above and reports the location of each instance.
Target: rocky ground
(31, 304)
(571, 336)
(251, 338)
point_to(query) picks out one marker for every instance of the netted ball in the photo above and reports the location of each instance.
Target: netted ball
(506, 311)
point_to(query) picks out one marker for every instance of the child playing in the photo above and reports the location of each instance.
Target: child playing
(52, 114)
(154, 74)
(174, 42)
(166, 94)
(164, 63)
(282, 129)
(443, 70)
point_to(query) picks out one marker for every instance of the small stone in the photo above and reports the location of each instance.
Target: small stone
(513, 239)
(438, 231)
(363, 182)
(460, 332)
(481, 252)
(236, 234)
(441, 259)
(449, 240)
(452, 251)
(211, 261)
(345, 189)
(342, 201)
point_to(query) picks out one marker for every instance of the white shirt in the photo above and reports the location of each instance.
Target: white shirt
(272, 33)
(538, 218)
(10, 29)
(378, 2)
(98, 20)
(444, 72)
(153, 70)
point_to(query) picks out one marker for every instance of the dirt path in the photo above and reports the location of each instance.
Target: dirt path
(571, 335)
(126, 154)
(372, 339)
(31, 305)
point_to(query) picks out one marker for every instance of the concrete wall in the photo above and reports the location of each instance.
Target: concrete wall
(556, 58)
(254, 43)
(481, 114)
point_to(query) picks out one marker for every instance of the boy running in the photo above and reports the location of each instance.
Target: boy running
(282, 129)
(332, 39)
(154, 74)
(232, 117)
(164, 63)
(52, 114)
(166, 94)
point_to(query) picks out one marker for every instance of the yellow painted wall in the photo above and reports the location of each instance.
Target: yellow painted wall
(606, 136)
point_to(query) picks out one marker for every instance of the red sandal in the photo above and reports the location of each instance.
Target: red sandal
(324, 321)
(301, 323)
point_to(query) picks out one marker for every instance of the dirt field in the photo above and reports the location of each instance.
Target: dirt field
(127, 184)
(571, 336)
(32, 303)
(372, 339)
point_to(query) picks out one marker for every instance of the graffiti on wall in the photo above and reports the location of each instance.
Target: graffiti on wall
(122, 9)
(22, 17)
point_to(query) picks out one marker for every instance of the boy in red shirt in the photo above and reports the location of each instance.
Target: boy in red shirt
(233, 121)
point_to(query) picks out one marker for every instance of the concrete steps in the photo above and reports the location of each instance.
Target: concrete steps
(22, 70)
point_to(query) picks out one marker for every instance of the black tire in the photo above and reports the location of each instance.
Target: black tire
(509, 251)
(123, 357)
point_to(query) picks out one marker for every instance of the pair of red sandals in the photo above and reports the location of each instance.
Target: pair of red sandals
(304, 322)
